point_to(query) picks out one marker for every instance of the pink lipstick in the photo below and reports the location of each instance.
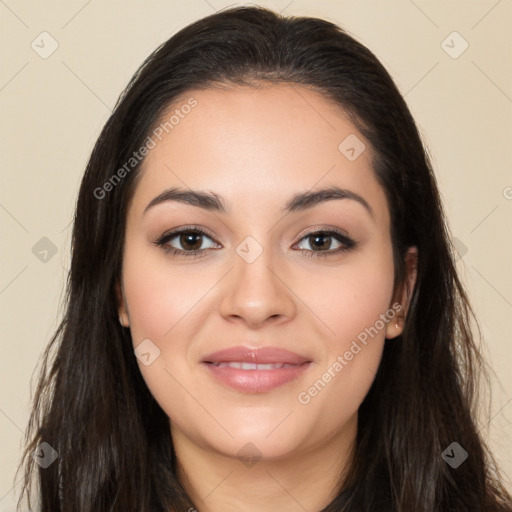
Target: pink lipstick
(255, 370)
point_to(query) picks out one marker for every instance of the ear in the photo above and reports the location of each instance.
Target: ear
(122, 307)
(402, 298)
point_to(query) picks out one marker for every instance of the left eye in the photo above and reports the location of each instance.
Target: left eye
(322, 241)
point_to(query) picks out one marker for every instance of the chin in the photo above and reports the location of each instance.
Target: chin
(264, 443)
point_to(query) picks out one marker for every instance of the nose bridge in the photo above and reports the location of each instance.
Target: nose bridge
(255, 291)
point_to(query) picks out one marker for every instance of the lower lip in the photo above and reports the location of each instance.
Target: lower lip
(256, 381)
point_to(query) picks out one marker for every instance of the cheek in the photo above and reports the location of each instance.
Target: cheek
(164, 304)
(146, 303)
(351, 299)
(353, 307)
(159, 298)
(160, 304)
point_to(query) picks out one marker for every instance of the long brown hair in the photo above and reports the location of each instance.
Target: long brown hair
(113, 441)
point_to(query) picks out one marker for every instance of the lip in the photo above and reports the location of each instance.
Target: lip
(290, 366)
(260, 355)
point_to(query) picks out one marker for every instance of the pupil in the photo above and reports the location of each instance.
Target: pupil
(320, 245)
(189, 238)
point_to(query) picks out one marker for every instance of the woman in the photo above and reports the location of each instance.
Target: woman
(263, 311)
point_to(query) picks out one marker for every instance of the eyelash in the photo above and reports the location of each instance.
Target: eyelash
(162, 242)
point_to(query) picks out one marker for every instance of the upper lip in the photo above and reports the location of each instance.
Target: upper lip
(262, 355)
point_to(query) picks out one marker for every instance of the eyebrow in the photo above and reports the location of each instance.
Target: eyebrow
(299, 202)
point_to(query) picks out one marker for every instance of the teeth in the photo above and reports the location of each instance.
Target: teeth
(254, 366)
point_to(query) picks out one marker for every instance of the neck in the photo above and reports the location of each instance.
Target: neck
(307, 479)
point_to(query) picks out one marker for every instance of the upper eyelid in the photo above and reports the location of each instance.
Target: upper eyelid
(171, 233)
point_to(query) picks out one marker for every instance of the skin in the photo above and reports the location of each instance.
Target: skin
(256, 148)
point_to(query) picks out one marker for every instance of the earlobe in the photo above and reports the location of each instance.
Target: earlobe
(122, 308)
(396, 326)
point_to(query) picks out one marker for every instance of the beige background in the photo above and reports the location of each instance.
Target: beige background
(53, 109)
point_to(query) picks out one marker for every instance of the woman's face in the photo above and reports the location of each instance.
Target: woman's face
(313, 277)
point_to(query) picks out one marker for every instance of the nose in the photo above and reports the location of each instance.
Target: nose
(256, 294)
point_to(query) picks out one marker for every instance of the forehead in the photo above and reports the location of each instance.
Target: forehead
(254, 145)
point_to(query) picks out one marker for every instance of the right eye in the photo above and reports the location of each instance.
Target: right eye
(190, 240)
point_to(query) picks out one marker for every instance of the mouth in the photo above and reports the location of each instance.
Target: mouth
(255, 370)
(253, 366)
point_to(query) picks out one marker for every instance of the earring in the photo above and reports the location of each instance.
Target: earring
(399, 321)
